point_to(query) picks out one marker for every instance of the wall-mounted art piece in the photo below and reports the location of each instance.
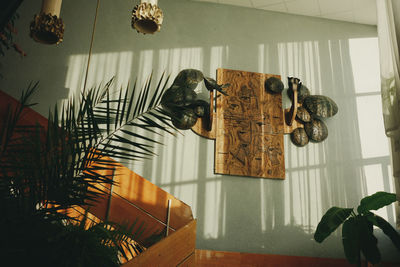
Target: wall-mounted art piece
(246, 119)
(47, 27)
(181, 102)
(249, 126)
(147, 17)
(311, 111)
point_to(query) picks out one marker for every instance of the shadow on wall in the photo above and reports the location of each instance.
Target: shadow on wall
(239, 213)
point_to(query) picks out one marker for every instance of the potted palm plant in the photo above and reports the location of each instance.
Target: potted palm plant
(46, 170)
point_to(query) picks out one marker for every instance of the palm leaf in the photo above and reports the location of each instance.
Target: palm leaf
(44, 174)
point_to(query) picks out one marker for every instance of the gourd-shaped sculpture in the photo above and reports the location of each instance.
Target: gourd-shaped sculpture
(302, 93)
(320, 106)
(316, 130)
(303, 115)
(274, 85)
(310, 112)
(180, 100)
(299, 137)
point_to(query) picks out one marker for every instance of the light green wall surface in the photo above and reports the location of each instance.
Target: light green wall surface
(234, 213)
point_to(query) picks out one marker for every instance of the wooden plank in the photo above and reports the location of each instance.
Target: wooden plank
(210, 258)
(189, 262)
(122, 211)
(249, 130)
(170, 251)
(148, 197)
(287, 129)
(151, 198)
(199, 128)
(202, 126)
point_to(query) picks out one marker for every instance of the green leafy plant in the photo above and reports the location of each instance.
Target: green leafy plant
(47, 170)
(357, 231)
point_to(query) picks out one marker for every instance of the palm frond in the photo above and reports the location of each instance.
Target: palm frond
(44, 172)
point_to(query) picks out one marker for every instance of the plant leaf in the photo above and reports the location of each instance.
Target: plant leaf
(334, 217)
(350, 240)
(368, 241)
(376, 201)
(386, 228)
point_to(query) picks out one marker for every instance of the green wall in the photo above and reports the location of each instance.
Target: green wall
(244, 214)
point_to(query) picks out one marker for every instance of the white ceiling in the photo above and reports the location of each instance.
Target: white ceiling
(357, 11)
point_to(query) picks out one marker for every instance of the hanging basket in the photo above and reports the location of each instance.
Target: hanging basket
(147, 18)
(48, 27)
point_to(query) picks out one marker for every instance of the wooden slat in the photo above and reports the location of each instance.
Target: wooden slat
(189, 262)
(210, 258)
(170, 251)
(199, 128)
(249, 137)
(121, 211)
(151, 198)
(148, 197)
(287, 129)
(202, 128)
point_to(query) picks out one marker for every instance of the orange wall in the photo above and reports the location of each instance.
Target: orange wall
(29, 116)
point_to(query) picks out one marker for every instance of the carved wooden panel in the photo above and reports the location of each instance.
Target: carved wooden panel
(249, 130)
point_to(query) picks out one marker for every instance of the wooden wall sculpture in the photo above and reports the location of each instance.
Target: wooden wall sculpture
(249, 133)
(248, 126)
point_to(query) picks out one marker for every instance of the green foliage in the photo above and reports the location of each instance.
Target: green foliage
(46, 170)
(386, 228)
(330, 221)
(350, 236)
(357, 231)
(376, 201)
(368, 242)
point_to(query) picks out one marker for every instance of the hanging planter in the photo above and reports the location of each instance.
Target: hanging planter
(147, 17)
(48, 27)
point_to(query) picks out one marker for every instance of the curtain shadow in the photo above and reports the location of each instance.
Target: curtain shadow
(234, 213)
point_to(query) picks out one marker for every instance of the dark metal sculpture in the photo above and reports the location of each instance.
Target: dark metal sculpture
(178, 96)
(299, 137)
(201, 108)
(274, 85)
(185, 119)
(211, 84)
(308, 110)
(302, 92)
(303, 115)
(316, 130)
(320, 106)
(189, 78)
(180, 100)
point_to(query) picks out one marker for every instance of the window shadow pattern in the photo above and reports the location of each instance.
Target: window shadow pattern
(240, 213)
